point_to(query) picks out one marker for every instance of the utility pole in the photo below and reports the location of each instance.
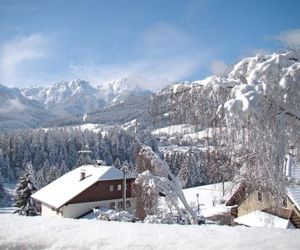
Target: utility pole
(198, 203)
(124, 169)
(82, 155)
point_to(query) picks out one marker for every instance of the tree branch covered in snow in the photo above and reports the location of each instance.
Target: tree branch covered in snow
(254, 113)
(155, 178)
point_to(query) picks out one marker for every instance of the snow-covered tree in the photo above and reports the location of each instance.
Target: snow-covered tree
(264, 112)
(1, 189)
(154, 177)
(253, 111)
(24, 188)
(45, 149)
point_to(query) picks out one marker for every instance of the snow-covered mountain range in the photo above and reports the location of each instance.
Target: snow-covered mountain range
(63, 98)
(119, 90)
(249, 80)
(79, 96)
(17, 111)
(35, 106)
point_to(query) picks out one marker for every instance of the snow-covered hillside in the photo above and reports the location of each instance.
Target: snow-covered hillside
(57, 233)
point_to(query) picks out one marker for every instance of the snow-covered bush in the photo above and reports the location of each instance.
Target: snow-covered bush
(113, 215)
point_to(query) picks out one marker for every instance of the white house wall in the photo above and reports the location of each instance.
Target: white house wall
(79, 209)
(49, 212)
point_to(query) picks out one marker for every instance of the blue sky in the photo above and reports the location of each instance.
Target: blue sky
(153, 42)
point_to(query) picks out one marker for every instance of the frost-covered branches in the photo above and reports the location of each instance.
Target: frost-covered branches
(196, 103)
(266, 109)
(155, 178)
(254, 110)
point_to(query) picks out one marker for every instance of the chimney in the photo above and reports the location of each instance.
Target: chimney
(100, 163)
(82, 175)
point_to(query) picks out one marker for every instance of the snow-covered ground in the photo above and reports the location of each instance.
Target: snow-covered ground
(211, 198)
(175, 130)
(19, 232)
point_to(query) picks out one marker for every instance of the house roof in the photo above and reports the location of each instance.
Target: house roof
(293, 168)
(262, 219)
(293, 171)
(237, 195)
(294, 194)
(62, 190)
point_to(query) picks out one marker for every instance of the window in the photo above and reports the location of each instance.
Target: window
(119, 187)
(127, 203)
(259, 196)
(112, 205)
(111, 188)
(120, 204)
(284, 202)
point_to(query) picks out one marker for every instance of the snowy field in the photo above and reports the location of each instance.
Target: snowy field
(18, 232)
(209, 198)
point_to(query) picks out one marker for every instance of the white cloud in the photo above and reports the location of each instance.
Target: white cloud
(16, 54)
(218, 67)
(13, 105)
(164, 54)
(290, 38)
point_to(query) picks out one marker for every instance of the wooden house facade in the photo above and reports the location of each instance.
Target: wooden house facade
(82, 189)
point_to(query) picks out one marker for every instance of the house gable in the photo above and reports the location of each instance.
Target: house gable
(100, 191)
(255, 201)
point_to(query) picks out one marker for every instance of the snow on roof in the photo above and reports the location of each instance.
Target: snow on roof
(262, 219)
(295, 170)
(294, 194)
(292, 167)
(60, 191)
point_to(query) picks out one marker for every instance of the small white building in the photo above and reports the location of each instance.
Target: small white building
(79, 191)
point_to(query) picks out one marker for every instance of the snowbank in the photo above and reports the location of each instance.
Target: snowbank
(57, 233)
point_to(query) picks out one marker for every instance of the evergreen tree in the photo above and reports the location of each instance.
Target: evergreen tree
(117, 163)
(1, 189)
(23, 191)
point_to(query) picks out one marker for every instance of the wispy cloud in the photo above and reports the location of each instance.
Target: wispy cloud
(13, 105)
(164, 53)
(290, 38)
(15, 56)
(218, 67)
